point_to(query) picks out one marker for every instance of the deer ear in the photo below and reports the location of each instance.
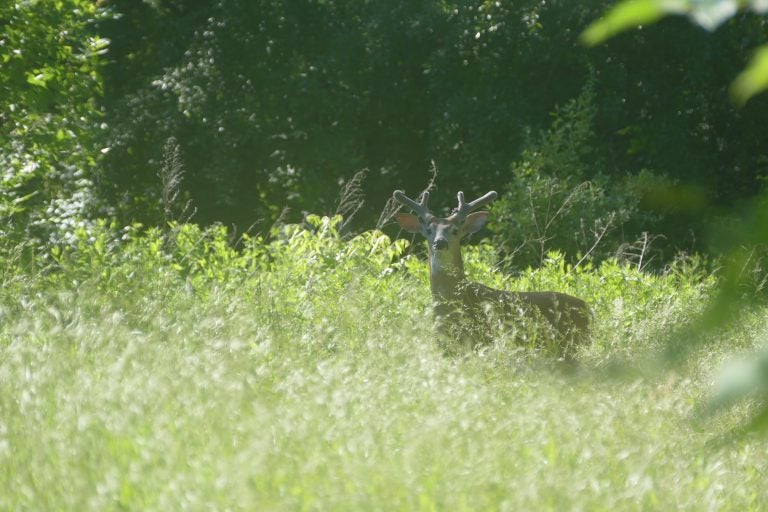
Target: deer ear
(408, 222)
(474, 222)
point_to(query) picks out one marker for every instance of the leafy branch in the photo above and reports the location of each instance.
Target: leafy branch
(709, 14)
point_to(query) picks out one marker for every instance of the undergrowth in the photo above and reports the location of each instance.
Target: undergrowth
(148, 369)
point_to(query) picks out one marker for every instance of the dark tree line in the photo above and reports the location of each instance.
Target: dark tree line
(276, 104)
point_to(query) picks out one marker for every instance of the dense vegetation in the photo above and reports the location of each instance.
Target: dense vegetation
(156, 371)
(274, 105)
(184, 324)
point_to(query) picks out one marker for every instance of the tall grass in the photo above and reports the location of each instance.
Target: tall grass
(151, 371)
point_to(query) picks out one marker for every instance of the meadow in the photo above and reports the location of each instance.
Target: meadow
(148, 369)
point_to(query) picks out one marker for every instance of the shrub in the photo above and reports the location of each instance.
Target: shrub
(562, 197)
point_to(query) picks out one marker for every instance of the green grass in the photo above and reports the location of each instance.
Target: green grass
(303, 374)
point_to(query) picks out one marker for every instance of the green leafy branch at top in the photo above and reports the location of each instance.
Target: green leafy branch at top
(708, 14)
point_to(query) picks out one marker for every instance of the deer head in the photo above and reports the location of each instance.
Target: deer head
(443, 234)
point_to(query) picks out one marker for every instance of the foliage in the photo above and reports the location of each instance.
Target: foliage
(306, 261)
(563, 196)
(50, 125)
(389, 87)
(709, 14)
(473, 91)
(392, 87)
(165, 370)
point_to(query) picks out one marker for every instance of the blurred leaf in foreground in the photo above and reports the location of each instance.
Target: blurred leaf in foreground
(741, 290)
(741, 380)
(753, 79)
(708, 14)
(623, 16)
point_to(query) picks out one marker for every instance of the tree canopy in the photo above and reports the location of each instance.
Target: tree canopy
(276, 105)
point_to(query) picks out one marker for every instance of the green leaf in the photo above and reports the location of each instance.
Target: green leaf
(625, 15)
(23, 199)
(97, 46)
(753, 79)
(39, 77)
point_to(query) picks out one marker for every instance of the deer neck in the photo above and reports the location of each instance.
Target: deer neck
(446, 272)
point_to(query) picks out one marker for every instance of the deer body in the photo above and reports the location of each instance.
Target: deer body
(457, 299)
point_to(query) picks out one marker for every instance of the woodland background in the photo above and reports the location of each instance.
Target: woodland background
(267, 109)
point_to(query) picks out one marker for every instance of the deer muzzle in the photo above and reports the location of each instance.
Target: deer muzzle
(440, 244)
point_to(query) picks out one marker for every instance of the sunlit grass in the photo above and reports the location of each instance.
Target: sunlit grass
(321, 387)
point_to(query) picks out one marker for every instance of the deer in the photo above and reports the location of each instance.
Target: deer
(458, 302)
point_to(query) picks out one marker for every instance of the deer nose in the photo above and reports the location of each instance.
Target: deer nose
(441, 243)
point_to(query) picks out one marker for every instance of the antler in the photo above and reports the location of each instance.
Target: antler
(420, 208)
(465, 209)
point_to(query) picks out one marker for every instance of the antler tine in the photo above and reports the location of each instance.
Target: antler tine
(420, 208)
(465, 209)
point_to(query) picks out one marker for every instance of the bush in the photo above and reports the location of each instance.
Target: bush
(562, 197)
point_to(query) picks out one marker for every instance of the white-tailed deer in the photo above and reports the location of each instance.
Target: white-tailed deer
(459, 301)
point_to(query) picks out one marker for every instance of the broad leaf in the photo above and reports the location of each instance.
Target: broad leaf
(753, 79)
(623, 16)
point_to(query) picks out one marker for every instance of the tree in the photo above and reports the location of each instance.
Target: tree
(50, 123)
(274, 104)
(277, 104)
